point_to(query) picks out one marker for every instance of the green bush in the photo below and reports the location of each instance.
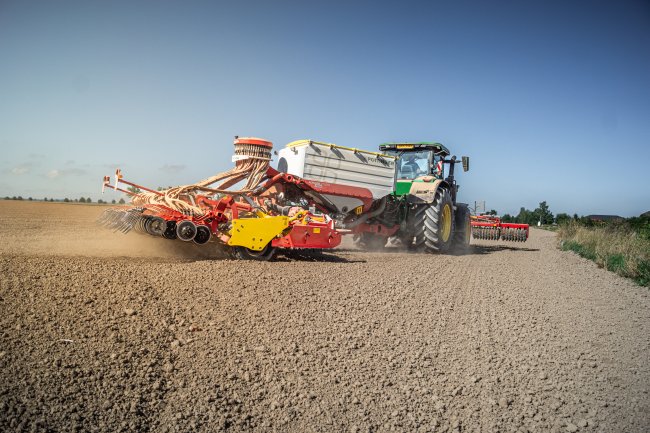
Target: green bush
(644, 274)
(616, 263)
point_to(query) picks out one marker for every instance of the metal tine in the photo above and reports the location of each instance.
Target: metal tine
(131, 220)
(125, 223)
(119, 222)
(123, 220)
(105, 216)
(113, 219)
(116, 222)
(117, 216)
(134, 218)
(142, 224)
(138, 226)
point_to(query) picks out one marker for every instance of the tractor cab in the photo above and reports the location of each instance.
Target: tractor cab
(416, 161)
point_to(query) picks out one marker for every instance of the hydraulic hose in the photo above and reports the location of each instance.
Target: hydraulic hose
(365, 217)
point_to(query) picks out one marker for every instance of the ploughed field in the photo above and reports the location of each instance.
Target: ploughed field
(102, 331)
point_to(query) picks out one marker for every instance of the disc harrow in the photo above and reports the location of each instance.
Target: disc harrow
(489, 227)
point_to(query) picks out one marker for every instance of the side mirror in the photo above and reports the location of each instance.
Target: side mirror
(465, 163)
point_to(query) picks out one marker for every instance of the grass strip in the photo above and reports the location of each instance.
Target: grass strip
(617, 249)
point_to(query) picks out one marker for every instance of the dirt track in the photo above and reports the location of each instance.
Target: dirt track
(111, 332)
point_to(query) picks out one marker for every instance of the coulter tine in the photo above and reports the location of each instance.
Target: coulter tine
(119, 219)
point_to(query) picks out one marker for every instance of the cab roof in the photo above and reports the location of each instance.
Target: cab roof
(415, 146)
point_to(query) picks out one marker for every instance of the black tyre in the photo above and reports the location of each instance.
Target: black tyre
(186, 230)
(155, 226)
(463, 229)
(202, 235)
(433, 224)
(243, 253)
(170, 230)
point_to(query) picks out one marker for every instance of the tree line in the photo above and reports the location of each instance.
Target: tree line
(541, 214)
(544, 215)
(67, 200)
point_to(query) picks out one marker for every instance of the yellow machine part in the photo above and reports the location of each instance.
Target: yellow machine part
(256, 233)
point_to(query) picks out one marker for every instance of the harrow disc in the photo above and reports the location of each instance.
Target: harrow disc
(170, 230)
(202, 235)
(522, 235)
(513, 234)
(155, 226)
(142, 224)
(186, 230)
(487, 233)
(490, 227)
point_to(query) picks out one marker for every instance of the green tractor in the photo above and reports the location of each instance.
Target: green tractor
(424, 201)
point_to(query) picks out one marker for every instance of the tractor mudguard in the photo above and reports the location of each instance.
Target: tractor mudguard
(423, 191)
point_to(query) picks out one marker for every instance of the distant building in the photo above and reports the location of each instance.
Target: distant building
(605, 218)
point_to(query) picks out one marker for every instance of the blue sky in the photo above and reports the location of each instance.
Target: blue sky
(551, 100)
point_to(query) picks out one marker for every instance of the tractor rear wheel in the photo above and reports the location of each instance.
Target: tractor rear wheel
(433, 224)
(463, 231)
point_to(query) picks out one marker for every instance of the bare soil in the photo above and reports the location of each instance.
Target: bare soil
(102, 331)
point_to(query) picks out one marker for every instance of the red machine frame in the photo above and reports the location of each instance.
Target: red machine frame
(490, 227)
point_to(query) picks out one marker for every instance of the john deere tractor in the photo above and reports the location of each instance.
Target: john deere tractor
(424, 201)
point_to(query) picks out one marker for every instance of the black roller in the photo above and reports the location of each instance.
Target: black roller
(186, 230)
(170, 230)
(155, 226)
(141, 226)
(202, 235)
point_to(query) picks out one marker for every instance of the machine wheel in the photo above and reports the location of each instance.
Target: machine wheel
(170, 230)
(433, 224)
(243, 253)
(155, 226)
(202, 235)
(370, 241)
(463, 231)
(186, 230)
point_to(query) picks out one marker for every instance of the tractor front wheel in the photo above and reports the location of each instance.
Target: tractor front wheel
(433, 224)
